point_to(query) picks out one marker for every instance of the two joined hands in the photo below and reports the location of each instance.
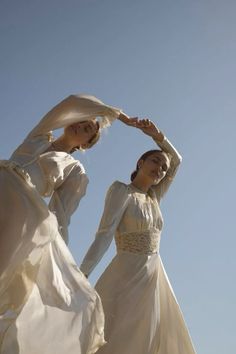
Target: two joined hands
(146, 125)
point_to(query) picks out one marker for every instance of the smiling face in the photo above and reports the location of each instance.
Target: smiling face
(154, 167)
(82, 134)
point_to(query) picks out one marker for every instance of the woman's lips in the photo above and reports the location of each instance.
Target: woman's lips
(156, 174)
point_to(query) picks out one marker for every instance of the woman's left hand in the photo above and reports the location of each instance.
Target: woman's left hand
(149, 128)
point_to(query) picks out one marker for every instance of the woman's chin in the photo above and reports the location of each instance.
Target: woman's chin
(156, 180)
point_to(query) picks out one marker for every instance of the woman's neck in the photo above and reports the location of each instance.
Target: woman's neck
(62, 144)
(142, 183)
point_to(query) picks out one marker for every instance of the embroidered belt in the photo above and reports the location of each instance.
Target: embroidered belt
(143, 242)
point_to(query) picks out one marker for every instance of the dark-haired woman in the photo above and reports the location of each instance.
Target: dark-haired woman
(142, 315)
(46, 304)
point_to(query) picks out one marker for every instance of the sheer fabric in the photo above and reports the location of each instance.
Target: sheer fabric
(46, 304)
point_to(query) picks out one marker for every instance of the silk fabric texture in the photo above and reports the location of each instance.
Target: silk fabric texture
(142, 315)
(46, 304)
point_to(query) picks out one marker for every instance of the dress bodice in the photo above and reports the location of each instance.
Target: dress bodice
(142, 212)
(140, 227)
(52, 174)
(48, 170)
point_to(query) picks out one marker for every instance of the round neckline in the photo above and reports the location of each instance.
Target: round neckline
(137, 189)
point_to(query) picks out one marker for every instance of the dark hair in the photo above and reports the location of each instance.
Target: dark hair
(143, 157)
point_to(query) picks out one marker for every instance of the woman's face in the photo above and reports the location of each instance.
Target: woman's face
(81, 133)
(154, 166)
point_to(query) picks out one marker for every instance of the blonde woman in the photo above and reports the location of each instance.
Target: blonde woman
(46, 304)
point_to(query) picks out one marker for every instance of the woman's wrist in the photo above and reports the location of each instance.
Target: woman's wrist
(123, 117)
(159, 136)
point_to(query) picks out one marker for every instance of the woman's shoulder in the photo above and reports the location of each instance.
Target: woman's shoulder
(77, 163)
(117, 194)
(62, 161)
(119, 187)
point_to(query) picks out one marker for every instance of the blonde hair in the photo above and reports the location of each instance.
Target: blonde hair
(89, 144)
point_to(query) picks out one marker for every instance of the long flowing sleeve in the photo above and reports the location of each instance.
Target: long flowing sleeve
(175, 161)
(75, 108)
(115, 204)
(67, 195)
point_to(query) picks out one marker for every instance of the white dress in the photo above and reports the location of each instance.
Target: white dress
(142, 315)
(46, 304)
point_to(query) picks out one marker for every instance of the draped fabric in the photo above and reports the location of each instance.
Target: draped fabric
(46, 304)
(142, 314)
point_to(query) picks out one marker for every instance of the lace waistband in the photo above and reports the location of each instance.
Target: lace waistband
(145, 242)
(13, 166)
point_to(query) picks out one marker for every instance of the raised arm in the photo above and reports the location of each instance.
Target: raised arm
(115, 205)
(75, 108)
(175, 160)
(150, 129)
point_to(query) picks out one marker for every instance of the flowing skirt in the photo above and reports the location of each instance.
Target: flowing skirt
(46, 304)
(142, 315)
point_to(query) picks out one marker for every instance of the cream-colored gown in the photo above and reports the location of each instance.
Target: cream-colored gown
(142, 315)
(47, 306)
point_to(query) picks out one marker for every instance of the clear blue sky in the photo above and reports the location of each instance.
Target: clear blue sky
(173, 61)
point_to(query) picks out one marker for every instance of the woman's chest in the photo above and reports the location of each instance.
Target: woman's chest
(142, 212)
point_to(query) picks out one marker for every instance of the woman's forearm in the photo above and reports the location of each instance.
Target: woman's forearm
(167, 147)
(123, 117)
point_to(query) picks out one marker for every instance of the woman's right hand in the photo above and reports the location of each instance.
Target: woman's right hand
(131, 121)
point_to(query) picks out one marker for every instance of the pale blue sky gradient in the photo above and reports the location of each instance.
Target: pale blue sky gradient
(173, 61)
